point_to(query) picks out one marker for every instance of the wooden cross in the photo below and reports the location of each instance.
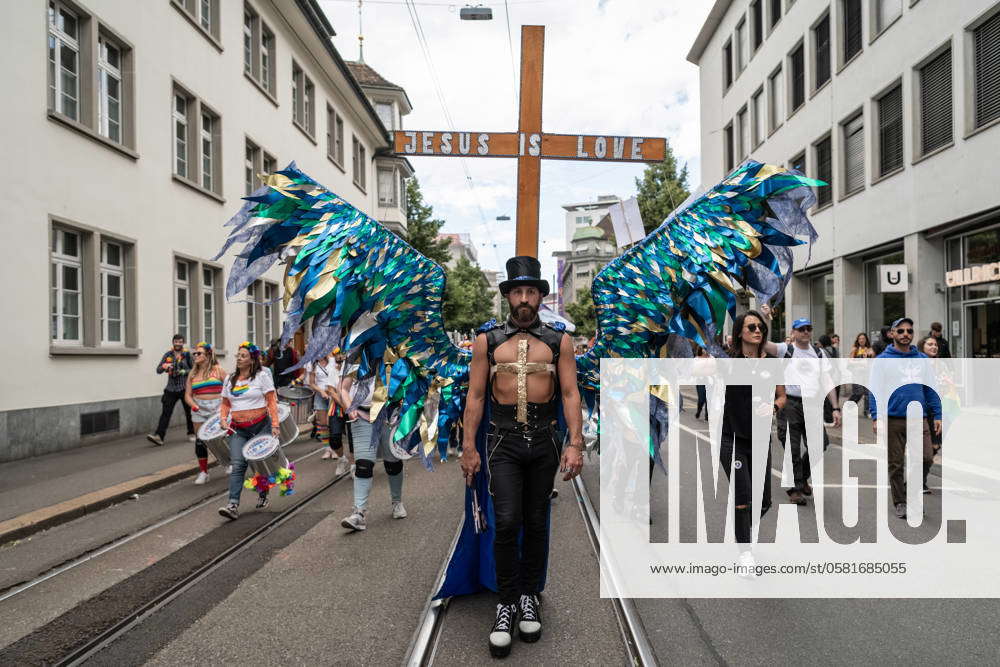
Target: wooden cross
(529, 144)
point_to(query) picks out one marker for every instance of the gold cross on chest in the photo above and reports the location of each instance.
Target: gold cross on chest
(529, 144)
(521, 368)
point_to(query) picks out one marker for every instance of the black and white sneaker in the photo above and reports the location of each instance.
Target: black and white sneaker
(529, 625)
(502, 633)
(262, 501)
(230, 511)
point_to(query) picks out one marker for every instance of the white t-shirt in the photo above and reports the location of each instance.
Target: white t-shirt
(327, 376)
(806, 374)
(249, 395)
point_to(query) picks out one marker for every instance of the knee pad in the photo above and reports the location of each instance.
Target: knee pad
(364, 469)
(393, 467)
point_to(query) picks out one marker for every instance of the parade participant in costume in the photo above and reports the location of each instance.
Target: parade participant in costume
(749, 334)
(521, 367)
(176, 363)
(362, 287)
(204, 396)
(317, 377)
(336, 417)
(249, 408)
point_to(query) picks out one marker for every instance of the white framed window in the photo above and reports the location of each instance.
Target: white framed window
(205, 15)
(248, 29)
(386, 187)
(266, 58)
(64, 60)
(385, 113)
(66, 283)
(251, 156)
(360, 163)
(208, 305)
(854, 154)
(308, 107)
(270, 294)
(252, 314)
(109, 89)
(180, 135)
(740, 46)
(182, 299)
(338, 139)
(886, 11)
(776, 101)
(757, 117)
(270, 164)
(743, 134)
(112, 310)
(207, 151)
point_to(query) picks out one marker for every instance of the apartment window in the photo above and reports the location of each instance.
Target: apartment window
(797, 72)
(775, 13)
(886, 11)
(727, 148)
(66, 283)
(821, 55)
(270, 321)
(252, 314)
(270, 164)
(267, 57)
(854, 154)
(334, 136)
(303, 100)
(250, 162)
(743, 132)
(756, 23)
(757, 117)
(986, 71)
(740, 47)
(180, 135)
(776, 93)
(112, 310)
(386, 187)
(935, 103)
(823, 154)
(109, 90)
(890, 131)
(852, 28)
(203, 14)
(64, 60)
(208, 295)
(182, 299)
(258, 50)
(727, 65)
(249, 19)
(798, 163)
(360, 163)
(197, 143)
(385, 114)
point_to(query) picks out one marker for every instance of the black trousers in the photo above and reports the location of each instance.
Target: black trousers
(521, 470)
(794, 417)
(735, 456)
(169, 399)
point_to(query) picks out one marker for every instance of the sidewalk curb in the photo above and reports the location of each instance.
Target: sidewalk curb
(47, 517)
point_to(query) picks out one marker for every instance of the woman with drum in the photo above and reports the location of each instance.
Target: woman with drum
(318, 379)
(249, 407)
(204, 395)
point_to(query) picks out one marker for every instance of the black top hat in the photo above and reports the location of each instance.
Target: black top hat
(524, 270)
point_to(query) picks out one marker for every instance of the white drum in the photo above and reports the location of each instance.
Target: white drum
(288, 430)
(216, 439)
(264, 454)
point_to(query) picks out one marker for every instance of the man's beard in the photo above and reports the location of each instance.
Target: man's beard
(178, 347)
(524, 313)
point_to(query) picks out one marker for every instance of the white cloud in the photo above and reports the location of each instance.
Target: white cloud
(610, 68)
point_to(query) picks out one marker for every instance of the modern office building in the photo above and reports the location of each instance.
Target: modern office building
(132, 130)
(895, 104)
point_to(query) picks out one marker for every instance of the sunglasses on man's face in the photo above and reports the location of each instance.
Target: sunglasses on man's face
(805, 329)
(754, 328)
(904, 331)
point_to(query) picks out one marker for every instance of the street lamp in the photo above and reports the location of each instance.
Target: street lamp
(477, 13)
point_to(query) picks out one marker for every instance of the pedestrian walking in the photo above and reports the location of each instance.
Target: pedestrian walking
(176, 363)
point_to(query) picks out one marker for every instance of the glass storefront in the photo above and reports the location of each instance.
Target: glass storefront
(881, 308)
(821, 304)
(973, 329)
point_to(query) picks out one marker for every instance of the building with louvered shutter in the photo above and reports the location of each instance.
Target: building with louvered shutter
(895, 104)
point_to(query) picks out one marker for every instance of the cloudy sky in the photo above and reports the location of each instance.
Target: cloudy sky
(613, 67)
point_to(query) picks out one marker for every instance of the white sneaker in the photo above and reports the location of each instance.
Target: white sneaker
(747, 565)
(229, 470)
(343, 467)
(356, 521)
(398, 511)
(201, 478)
(191, 437)
(327, 454)
(353, 468)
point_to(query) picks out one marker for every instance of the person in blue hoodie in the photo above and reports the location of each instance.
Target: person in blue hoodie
(917, 383)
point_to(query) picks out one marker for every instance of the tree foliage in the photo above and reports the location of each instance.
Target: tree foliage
(662, 188)
(583, 313)
(421, 227)
(468, 302)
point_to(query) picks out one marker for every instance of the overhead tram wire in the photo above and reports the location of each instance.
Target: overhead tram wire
(435, 79)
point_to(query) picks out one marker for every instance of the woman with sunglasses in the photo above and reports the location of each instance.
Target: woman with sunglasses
(249, 406)
(749, 340)
(203, 394)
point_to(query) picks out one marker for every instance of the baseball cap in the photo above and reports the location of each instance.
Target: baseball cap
(901, 320)
(801, 322)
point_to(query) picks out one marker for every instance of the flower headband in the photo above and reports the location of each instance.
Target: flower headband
(207, 346)
(251, 348)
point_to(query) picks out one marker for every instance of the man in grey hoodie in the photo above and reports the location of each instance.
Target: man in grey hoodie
(917, 383)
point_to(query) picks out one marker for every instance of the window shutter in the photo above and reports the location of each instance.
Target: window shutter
(822, 35)
(854, 154)
(935, 103)
(798, 63)
(824, 171)
(890, 130)
(852, 28)
(987, 63)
